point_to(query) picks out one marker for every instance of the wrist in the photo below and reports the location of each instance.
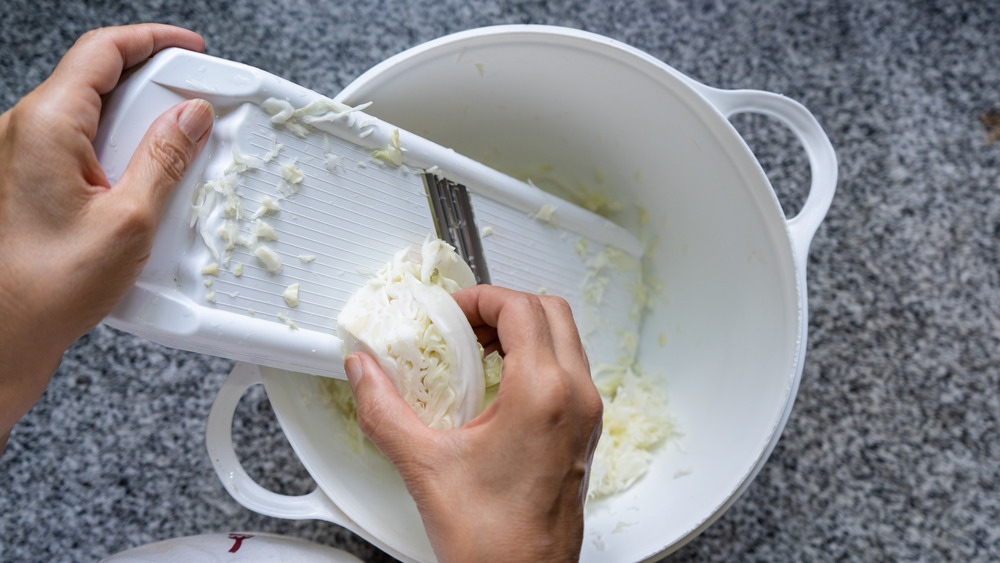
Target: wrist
(28, 358)
(503, 533)
(503, 544)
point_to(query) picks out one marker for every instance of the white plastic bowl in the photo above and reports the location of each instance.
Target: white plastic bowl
(729, 333)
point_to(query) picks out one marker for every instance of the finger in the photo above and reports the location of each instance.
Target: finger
(522, 333)
(469, 298)
(98, 58)
(383, 415)
(572, 356)
(565, 336)
(93, 66)
(165, 153)
(519, 318)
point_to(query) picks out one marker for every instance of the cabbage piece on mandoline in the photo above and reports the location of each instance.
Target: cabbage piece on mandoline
(407, 320)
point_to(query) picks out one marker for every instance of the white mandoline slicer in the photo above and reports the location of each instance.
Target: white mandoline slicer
(335, 208)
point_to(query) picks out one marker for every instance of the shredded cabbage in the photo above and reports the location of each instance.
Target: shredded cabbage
(291, 295)
(298, 120)
(279, 110)
(218, 196)
(636, 420)
(242, 162)
(600, 269)
(267, 205)
(264, 231)
(393, 153)
(546, 214)
(291, 324)
(269, 258)
(291, 179)
(492, 368)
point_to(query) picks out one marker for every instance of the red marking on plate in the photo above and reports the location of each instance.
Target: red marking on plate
(238, 542)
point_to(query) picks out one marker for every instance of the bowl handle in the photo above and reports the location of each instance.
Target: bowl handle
(242, 487)
(819, 150)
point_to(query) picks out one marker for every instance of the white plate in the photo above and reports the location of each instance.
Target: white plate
(235, 546)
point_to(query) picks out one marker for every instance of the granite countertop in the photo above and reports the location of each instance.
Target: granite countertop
(892, 451)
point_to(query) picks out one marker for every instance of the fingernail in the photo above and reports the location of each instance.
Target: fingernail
(352, 365)
(195, 119)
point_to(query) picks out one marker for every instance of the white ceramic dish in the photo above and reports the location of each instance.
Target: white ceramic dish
(729, 333)
(251, 547)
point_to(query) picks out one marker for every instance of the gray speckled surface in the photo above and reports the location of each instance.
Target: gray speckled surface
(893, 449)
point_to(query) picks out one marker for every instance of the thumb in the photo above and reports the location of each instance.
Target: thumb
(383, 415)
(166, 152)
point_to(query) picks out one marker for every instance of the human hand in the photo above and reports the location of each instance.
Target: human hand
(71, 245)
(511, 483)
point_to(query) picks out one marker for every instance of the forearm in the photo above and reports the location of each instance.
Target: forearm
(32, 338)
(28, 364)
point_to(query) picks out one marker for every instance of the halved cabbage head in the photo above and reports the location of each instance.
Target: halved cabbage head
(407, 320)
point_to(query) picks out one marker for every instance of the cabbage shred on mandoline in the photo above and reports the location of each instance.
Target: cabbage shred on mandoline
(220, 196)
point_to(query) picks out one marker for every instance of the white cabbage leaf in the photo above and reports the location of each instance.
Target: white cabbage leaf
(407, 320)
